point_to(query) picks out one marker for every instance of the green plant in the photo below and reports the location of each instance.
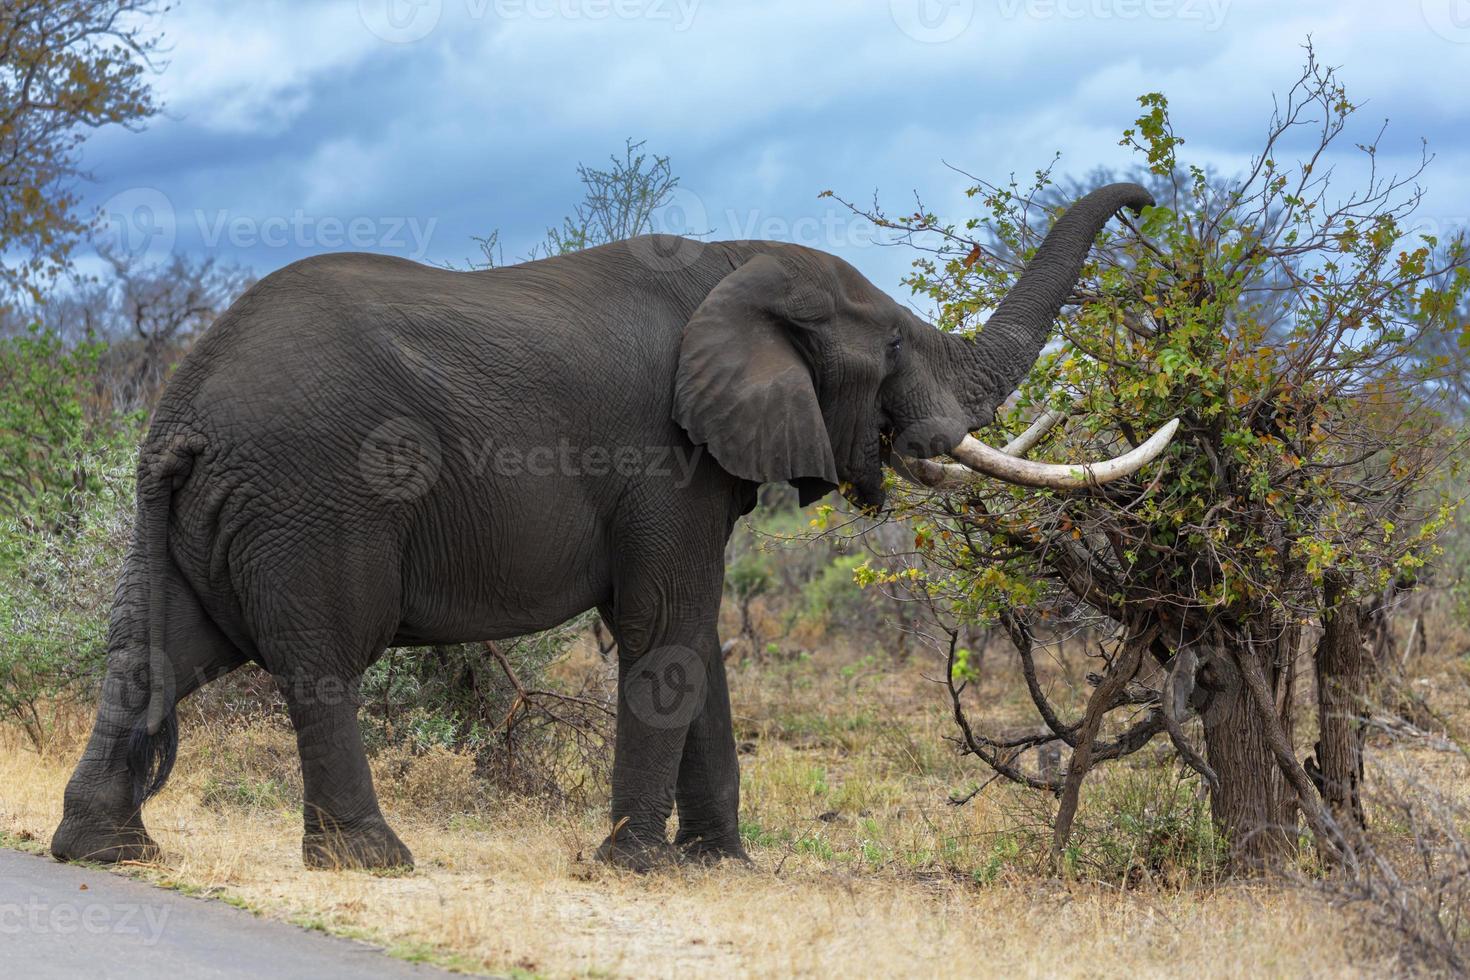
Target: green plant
(50, 443)
(833, 597)
(499, 704)
(66, 66)
(1278, 316)
(66, 511)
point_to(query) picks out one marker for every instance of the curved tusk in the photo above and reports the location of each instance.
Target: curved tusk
(981, 460)
(1059, 476)
(928, 473)
(1035, 432)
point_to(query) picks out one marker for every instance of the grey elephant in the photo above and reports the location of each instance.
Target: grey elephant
(364, 452)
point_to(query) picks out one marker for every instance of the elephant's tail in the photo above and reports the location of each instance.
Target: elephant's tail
(155, 741)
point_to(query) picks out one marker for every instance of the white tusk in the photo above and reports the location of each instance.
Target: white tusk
(1035, 432)
(928, 473)
(982, 460)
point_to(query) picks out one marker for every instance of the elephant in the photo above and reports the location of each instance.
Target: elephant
(364, 452)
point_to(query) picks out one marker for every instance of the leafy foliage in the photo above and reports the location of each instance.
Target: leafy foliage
(1286, 326)
(526, 739)
(66, 66)
(48, 433)
(61, 542)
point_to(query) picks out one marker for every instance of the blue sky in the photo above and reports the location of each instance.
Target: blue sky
(408, 126)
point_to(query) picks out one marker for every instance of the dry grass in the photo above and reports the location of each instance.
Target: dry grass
(862, 867)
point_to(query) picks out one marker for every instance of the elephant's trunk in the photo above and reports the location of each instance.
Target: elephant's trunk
(988, 369)
(991, 366)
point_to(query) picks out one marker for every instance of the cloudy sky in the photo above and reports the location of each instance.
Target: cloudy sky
(409, 126)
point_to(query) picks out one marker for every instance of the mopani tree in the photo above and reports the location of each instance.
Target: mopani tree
(66, 66)
(1292, 328)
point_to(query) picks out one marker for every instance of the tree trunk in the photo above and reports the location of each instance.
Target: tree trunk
(1344, 674)
(1253, 806)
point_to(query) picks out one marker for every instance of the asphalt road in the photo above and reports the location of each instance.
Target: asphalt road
(57, 920)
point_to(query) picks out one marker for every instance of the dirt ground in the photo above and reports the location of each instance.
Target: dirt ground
(862, 866)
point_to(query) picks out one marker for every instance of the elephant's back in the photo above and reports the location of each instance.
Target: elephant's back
(347, 334)
(303, 378)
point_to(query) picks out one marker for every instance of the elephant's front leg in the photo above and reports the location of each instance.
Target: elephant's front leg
(660, 691)
(709, 777)
(668, 651)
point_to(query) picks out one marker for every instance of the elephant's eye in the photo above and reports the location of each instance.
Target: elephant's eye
(895, 345)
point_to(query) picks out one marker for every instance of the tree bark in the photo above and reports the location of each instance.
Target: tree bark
(1345, 672)
(1252, 805)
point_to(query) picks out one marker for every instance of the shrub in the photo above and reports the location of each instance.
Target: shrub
(66, 507)
(498, 706)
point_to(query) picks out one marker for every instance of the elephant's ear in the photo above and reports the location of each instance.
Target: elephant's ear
(743, 388)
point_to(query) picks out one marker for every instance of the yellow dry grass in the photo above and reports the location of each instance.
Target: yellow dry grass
(860, 861)
(513, 891)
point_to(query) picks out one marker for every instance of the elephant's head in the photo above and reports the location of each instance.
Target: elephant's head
(797, 368)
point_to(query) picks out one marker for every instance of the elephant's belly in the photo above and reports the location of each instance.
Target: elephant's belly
(515, 567)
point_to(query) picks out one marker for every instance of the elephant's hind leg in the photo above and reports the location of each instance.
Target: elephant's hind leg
(319, 625)
(344, 827)
(102, 812)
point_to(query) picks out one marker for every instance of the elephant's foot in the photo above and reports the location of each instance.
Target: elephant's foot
(374, 847)
(632, 853)
(75, 841)
(710, 848)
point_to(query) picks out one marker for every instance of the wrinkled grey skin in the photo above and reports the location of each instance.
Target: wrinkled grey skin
(364, 451)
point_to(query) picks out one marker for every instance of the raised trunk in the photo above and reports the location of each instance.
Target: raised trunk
(990, 367)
